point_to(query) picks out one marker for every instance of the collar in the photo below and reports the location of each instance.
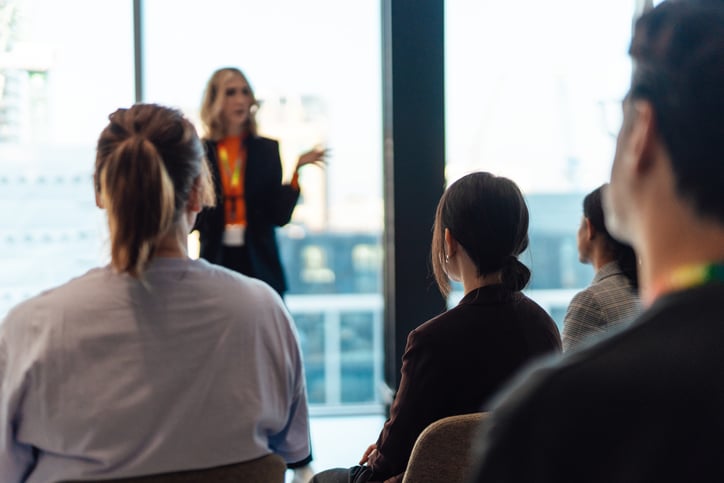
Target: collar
(486, 294)
(608, 270)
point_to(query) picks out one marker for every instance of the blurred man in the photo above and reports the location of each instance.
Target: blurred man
(647, 403)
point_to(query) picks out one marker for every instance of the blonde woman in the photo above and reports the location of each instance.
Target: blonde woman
(239, 232)
(156, 362)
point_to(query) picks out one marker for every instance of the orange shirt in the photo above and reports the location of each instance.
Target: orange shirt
(232, 166)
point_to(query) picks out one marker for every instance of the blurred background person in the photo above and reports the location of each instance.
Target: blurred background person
(455, 362)
(612, 298)
(157, 362)
(239, 232)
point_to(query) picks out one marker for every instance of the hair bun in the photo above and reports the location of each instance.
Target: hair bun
(514, 274)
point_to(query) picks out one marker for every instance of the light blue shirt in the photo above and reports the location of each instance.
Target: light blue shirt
(108, 377)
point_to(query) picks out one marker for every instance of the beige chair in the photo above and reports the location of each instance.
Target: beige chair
(267, 469)
(442, 451)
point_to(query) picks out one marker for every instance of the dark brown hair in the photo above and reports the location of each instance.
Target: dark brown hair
(623, 254)
(147, 160)
(678, 49)
(488, 216)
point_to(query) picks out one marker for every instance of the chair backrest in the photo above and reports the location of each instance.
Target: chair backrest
(267, 469)
(442, 451)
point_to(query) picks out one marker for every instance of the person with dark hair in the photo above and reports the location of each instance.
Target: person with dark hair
(251, 201)
(454, 362)
(644, 404)
(155, 363)
(611, 299)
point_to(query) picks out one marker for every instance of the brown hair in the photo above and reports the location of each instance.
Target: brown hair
(623, 253)
(678, 49)
(148, 159)
(488, 216)
(212, 103)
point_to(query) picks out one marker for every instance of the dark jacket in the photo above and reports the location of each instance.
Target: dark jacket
(269, 204)
(641, 405)
(455, 362)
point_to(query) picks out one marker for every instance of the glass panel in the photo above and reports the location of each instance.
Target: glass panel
(315, 67)
(59, 80)
(358, 365)
(311, 339)
(532, 90)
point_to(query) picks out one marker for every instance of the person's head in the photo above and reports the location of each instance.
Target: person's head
(150, 172)
(488, 218)
(228, 105)
(673, 114)
(593, 235)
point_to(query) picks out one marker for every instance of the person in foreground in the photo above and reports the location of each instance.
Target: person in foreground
(645, 404)
(456, 361)
(156, 362)
(239, 231)
(612, 298)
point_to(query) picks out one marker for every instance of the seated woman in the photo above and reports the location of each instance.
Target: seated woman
(455, 362)
(612, 297)
(157, 362)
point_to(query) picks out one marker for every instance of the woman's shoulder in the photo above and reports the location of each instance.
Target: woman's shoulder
(454, 320)
(45, 310)
(263, 141)
(217, 277)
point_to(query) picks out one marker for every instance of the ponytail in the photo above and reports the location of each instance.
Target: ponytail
(623, 253)
(148, 159)
(626, 258)
(139, 197)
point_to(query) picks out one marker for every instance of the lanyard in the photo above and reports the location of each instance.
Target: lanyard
(232, 169)
(688, 276)
(232, 181)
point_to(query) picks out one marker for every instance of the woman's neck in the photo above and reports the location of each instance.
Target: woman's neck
(601, 253)
(235, 131)
(174, 244)
(472, 281)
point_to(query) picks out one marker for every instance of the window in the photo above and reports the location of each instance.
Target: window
(59, 80)
(315, 67)
(528, 85)
(316, 70)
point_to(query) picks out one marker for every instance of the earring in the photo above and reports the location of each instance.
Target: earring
(447, 259)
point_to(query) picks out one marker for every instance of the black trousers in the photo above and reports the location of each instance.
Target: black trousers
(356, 474)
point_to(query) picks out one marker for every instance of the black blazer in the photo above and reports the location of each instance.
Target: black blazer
(269, 204)
(455, 362)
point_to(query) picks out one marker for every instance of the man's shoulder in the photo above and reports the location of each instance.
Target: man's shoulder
(631, 360)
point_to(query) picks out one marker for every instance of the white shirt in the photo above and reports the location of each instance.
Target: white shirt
(107, 377)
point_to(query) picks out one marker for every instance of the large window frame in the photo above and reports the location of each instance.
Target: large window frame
(413, 135)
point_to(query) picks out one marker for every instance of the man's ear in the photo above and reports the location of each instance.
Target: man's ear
(590, 230)
(642, 139)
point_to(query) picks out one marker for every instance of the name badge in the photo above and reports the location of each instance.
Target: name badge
(234, 235)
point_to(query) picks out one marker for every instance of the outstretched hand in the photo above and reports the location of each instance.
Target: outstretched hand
(315, 156)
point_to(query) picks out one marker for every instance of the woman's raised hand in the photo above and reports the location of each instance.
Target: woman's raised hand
(315, 156)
